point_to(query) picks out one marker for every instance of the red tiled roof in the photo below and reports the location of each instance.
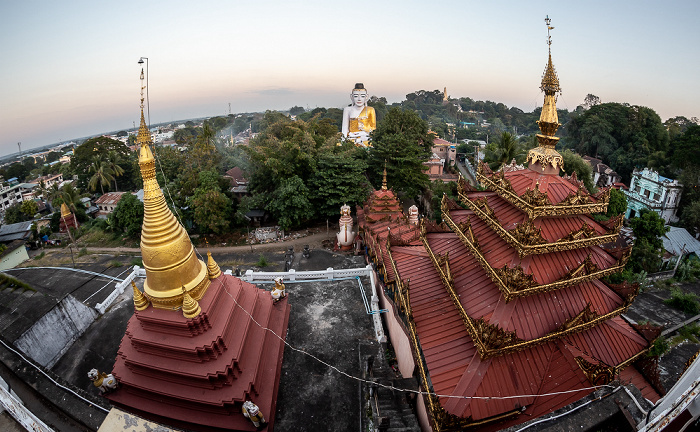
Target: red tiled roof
(557, 188)
(110, 198)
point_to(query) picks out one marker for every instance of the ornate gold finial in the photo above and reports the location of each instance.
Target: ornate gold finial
(545, 155)
(65, 211)
(212, 267)
(190, 307)
(168, 254)
(384, 178)
(140, 300)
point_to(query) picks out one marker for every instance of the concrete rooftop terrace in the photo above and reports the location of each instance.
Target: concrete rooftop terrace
(327, 320)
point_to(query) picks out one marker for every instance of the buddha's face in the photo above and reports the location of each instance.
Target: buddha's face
(359, 97)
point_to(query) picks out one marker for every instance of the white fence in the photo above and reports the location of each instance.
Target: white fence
(119, 289)
(14, 406)
(328, 274)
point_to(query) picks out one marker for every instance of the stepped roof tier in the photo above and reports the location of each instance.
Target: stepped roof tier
(196, 347)
(503, 304)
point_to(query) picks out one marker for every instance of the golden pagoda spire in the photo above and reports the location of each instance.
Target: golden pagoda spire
(384, 178)
(140, 300)
(212, 267)
(168, 254)
(65, 211)
(190, 307)
(545, 157)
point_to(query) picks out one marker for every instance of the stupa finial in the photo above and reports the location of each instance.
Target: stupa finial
(140, 300)
(190, 307)
(168, 254)
(544, 157)
(384, 177)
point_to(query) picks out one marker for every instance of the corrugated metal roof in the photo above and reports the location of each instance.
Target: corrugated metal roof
(679, 241)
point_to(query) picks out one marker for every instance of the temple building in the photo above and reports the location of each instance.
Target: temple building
(500, 311)
(196, 348)
(67, 220)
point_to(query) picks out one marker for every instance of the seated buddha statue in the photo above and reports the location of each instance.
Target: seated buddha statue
(358, 118)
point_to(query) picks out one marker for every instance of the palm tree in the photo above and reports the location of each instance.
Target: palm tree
(117, 170)
(70, 196)
(102, 175)
(504, 150)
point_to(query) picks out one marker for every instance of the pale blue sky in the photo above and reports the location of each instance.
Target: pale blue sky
(69, 69)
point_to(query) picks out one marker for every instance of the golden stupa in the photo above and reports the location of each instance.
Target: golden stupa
(167, 252)
(65, 211)
(545, 157)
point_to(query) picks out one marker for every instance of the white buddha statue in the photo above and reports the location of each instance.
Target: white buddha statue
(358, 118)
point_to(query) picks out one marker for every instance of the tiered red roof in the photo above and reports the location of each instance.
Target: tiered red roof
(548, 328)
(196, 373)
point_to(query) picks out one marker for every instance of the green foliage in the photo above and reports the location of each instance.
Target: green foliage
(402, 141)
(687, 302)
(212, 210)
(29, 208)
(687, 148)
(115, 263)
(290, 204)
(688, 270)
(40, 256)
(7, 281)
(575, 163)
(128, 215)
(14, 214)
(296, 110)
(649, 226)
(93, 149)
(503, 150)
(339, 179)
(136, 262)
(262, 261)
(690, 332)
(617, 204)
(434, 193)
(659, 347)
(645, 256)
(82, 252)
(622, 135)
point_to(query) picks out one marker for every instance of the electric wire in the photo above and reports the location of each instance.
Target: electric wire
(53, 380)
(391, 387)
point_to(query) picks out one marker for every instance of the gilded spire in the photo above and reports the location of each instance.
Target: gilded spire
(545, 157)
(212, 267)
(384, 178)
(140, 300)
(168, 254)
(190, 307)
(65, 211)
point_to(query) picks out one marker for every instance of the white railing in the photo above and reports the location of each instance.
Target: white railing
(19, 412)
(328, 274)
(119, 289)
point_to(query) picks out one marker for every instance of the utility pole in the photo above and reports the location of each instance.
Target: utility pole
(19, 144)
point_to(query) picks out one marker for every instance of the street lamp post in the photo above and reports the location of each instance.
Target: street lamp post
(148, 101)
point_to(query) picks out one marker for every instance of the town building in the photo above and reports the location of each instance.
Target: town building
(239, 184)
(107, 203)
(13, 255)
(10, 195)
(500, 311)
(603, 175)
(651, 191)
(68, 220)
(196, 353)
(49, 180)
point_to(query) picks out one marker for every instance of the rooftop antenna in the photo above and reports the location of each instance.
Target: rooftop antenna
(19, 144)
(548, 21)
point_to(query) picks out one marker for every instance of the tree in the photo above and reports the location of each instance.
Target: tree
(503, 151)
(289, 203)
(339, 179)
(591, 100)
(617, 204)
(102, 175)
(575, 163)
(29, 208)
(296, 110)
(646, 253)
(212, 209)
(402, 141)
(70, 196)
(14, 214)
(112, 161)
(84, 156)
(690, 217)
(128, 215)
(687, 148)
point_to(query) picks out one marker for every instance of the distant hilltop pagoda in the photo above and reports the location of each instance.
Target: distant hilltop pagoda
(500, 311)
(195, 349)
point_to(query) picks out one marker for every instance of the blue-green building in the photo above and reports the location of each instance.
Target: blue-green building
(649, 190)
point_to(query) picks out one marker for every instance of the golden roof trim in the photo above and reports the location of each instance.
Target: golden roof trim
(527, 239)
(569, 206)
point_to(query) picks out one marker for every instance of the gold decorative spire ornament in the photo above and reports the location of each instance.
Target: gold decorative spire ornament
(212, 267)
(65, 211)
(168, 254)
(140, 300)
(545, 157)
(190, 307)
(384, 178)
